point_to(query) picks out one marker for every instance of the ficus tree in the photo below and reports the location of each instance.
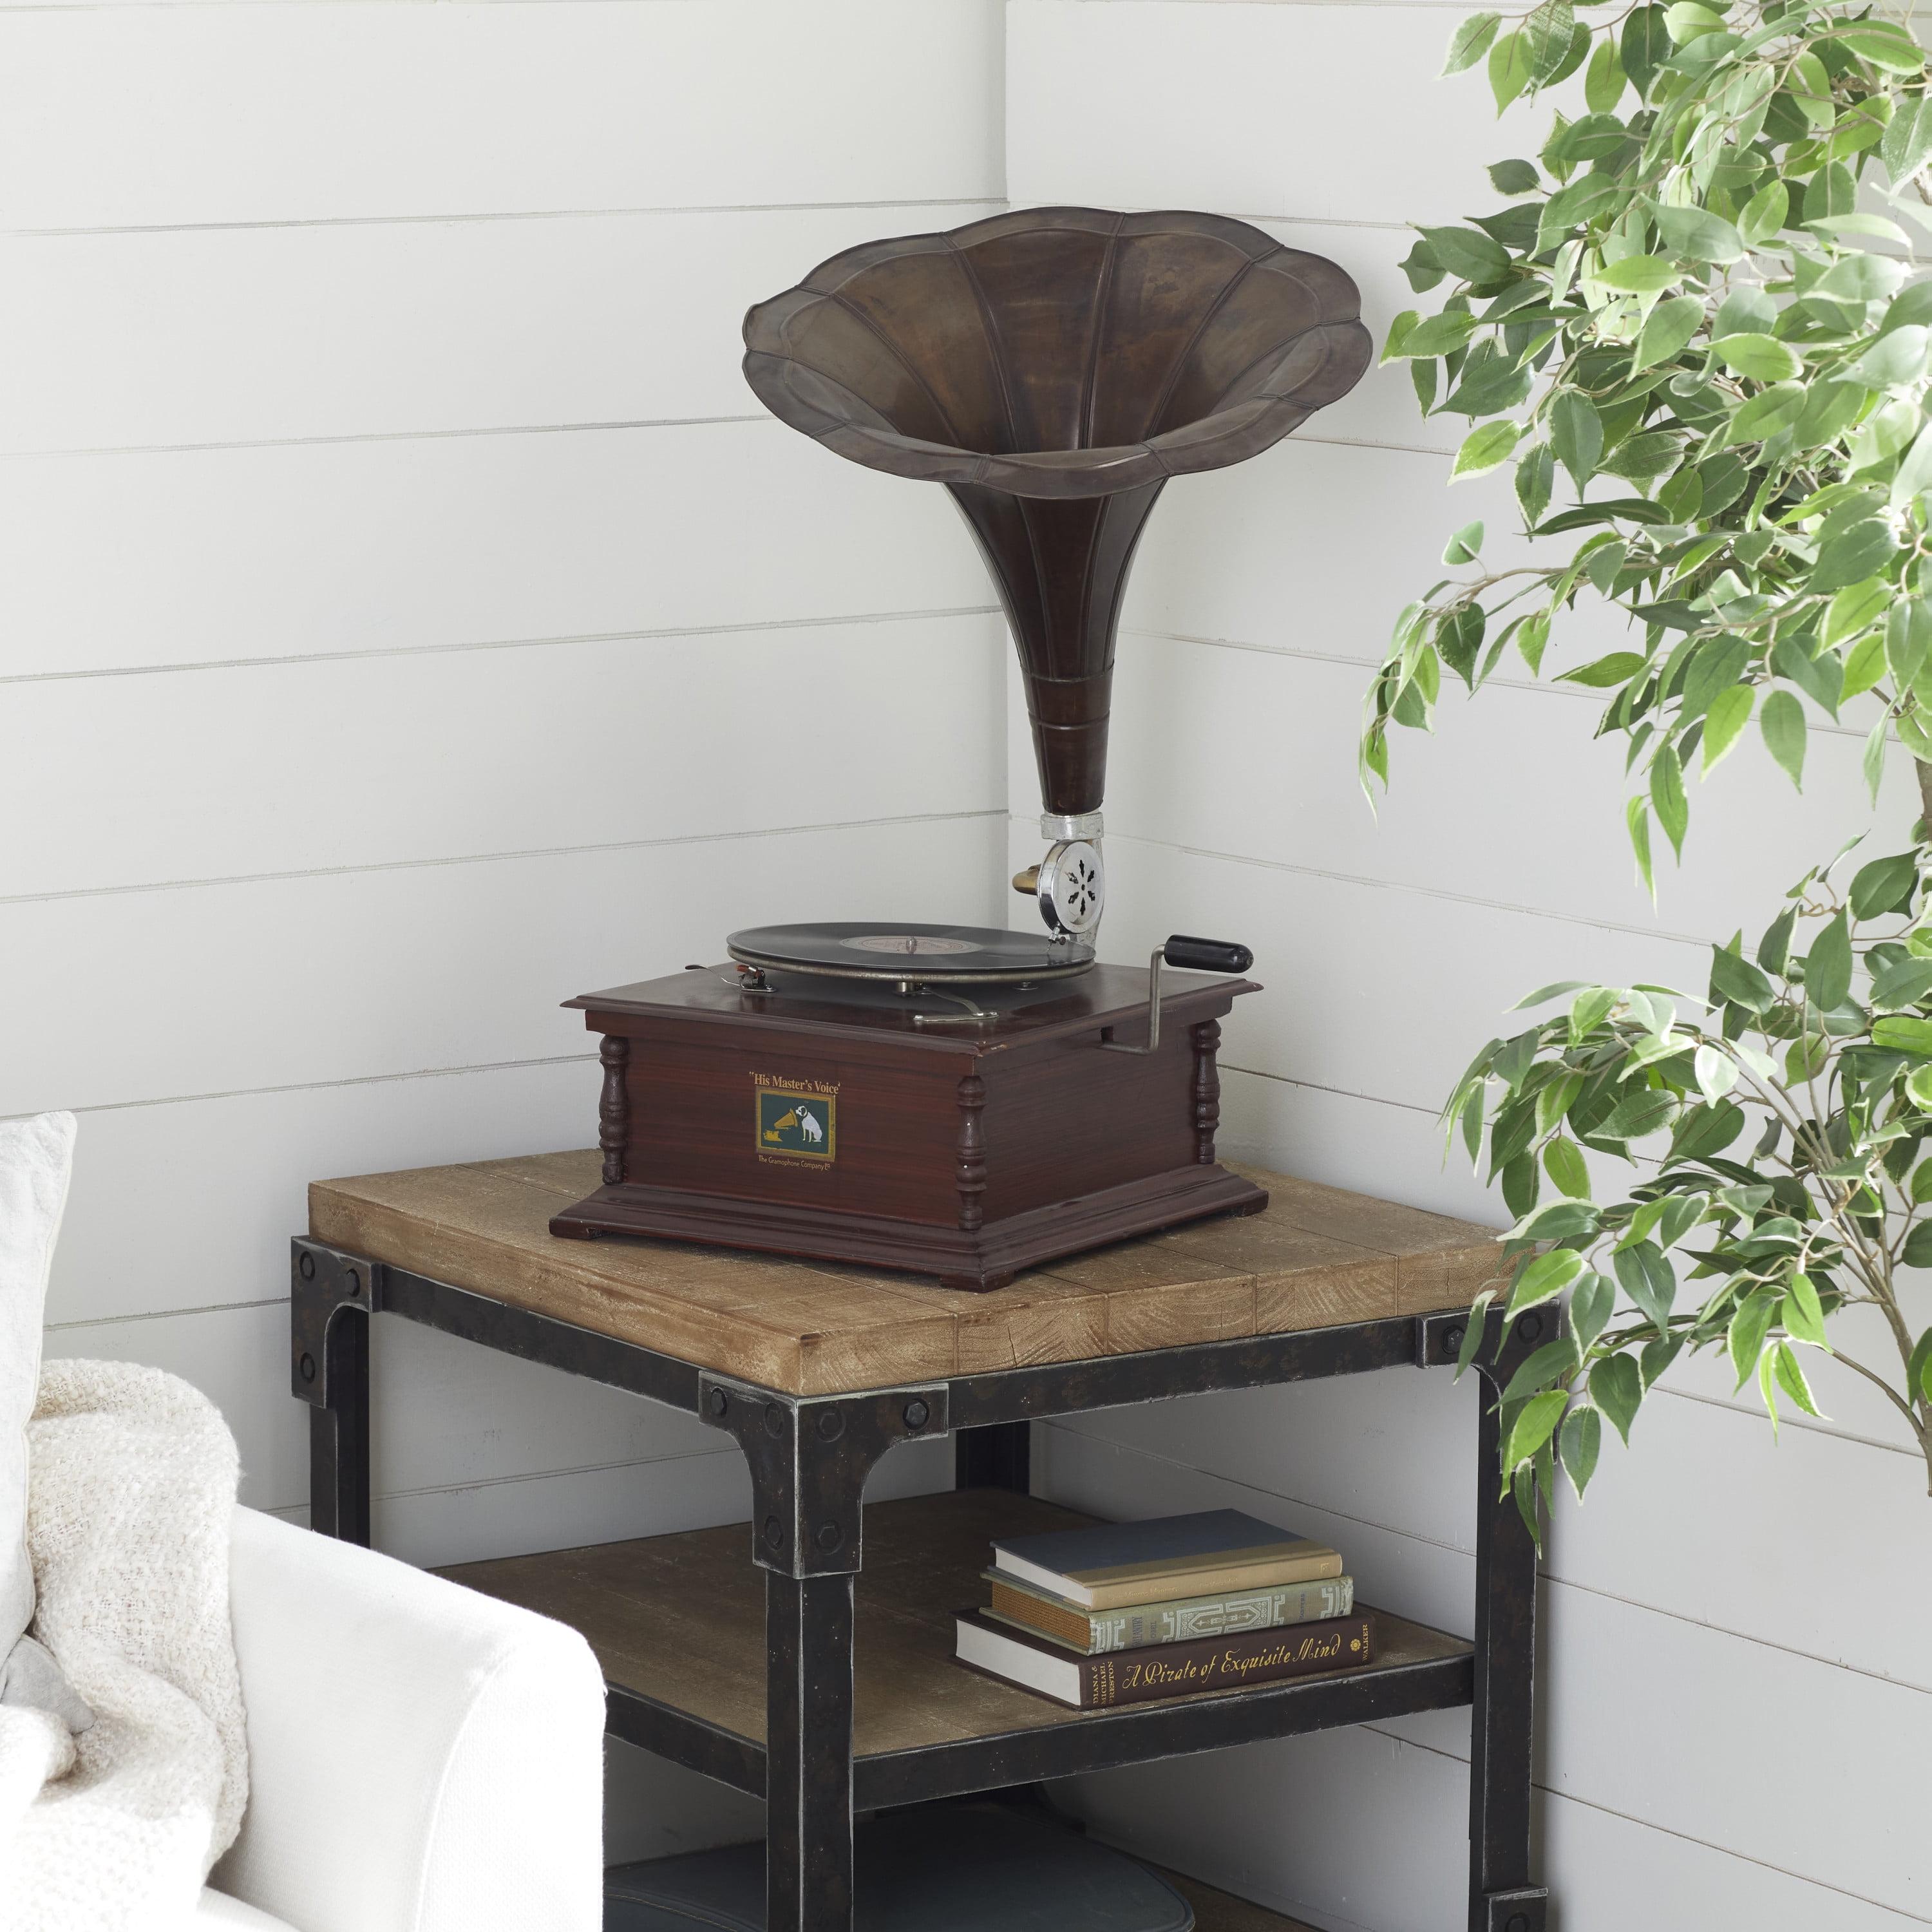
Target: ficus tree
(1693, 335)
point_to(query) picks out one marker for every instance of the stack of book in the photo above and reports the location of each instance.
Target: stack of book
(1120, 1613)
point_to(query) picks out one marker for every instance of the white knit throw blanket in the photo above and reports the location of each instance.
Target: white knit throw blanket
(131, 1478)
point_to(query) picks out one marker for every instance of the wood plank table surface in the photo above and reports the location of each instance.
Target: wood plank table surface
(681, 1619)
(1317, 1257)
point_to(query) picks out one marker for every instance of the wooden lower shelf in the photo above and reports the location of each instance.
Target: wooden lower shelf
(677, 1623)
(1222, 1912)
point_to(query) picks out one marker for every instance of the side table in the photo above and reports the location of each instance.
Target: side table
(818, 1372)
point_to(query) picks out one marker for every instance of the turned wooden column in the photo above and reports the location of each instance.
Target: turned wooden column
(1206, 1037)
(972, 1153)
(614, 1109)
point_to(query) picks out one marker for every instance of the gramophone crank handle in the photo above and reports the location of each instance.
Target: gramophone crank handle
(1195, 955)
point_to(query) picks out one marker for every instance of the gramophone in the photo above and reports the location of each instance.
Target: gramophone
(957, 1101)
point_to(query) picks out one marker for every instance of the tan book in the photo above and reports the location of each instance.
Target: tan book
(1110, 1564)
(1172, 1620)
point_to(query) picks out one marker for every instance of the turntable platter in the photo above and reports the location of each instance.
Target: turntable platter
(955, 955)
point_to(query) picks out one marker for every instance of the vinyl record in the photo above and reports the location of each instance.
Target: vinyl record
(906, 952)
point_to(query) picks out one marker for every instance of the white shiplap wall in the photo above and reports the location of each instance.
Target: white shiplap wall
(1736, 1681)
(408, 619)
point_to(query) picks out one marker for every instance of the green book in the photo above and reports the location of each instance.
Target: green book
(1179, 1620)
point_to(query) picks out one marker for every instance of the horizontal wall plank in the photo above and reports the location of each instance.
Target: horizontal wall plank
(1247, 114)
(1548, 835)
(375, 761)
(191, 1204)
(1351, 1830)
(307, 112)
(1372, 989)
(1731, 1562)
(222, 554)
(251, 334)
(150, 995)
(1743, 1703)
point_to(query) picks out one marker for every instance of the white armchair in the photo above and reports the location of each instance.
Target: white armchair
(421, 1759)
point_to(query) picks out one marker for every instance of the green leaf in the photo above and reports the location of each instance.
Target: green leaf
(1853, 554)
(1791, 1379)
(1509, 67)
(1883, 435)
(1637, 823)
(1919, 1371)
(1828, 966)
(1883, 45)
(1666, 796)
(1908, 639)
(1617, 1390)
(1535, 1424)
(1904, 984)
(1591, 1301)
(1687, 20)
(1885, 886)
(1667, 328)
(1465, 546)
(1735, 979)
(1576, 435)
(1765, 213)
(1468, 252)
(1471, 41)
(1915, 470)
(1902, 1033)
(1589, 1010)
(1547, 1276)
(1581, 1443)
(1774, 948)
(1907, 145)
(1547, 1365)
(1768, 412)
(1896, 359)
(1745, 1336)
(1515, 177)
(1698, 235)
(1730, 712)
(1437, 335)
(1853, 608)
(1648, 1279)
(1803, 1315)
(1640, 275)
(1604, 84)
(1547, 29)
(1860, 278)
(1563, 1161)
(1643, 1112)
(1618, 667)
(1763, 357)
(1483, 450)
(1716, 1073)
(1782, 721)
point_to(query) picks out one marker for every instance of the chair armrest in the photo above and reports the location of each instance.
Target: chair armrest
(421, 1759)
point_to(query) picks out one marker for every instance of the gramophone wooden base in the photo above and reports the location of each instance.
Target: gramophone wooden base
(988, 1258)
(836, 1127)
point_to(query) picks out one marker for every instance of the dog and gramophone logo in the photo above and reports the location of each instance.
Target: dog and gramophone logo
(797, 1119)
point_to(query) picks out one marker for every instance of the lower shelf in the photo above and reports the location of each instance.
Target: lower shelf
(677, 1623)
(1219, 1912)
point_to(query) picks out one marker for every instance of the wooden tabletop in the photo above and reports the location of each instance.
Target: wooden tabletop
(1318, 1256)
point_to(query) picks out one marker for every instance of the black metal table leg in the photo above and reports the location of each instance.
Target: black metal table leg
(997, 1456)
(809, 1458)
(808, 1753)
(1502, 1719)
(332, 1296)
